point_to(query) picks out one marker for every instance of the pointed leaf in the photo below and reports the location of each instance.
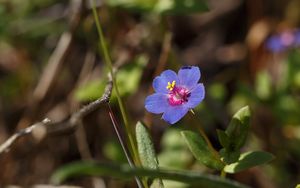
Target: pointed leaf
(238, 128)
(248, 160)
(223, 138)
(125, 171)
(202, 151)
(145, 147)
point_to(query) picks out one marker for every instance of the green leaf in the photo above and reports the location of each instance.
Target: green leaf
(238, 128)
(202, 151)
(298, 186)
(249, 160)
(229, 156)
(157, 183)
(223, 138)
(124, 171)
(145, 147)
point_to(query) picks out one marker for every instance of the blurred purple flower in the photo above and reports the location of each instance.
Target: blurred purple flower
(175, 94)
(284, 41)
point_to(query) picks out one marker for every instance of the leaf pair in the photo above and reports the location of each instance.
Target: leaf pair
(234, 138)
(229, 159)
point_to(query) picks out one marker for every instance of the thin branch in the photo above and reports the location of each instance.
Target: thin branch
(72, 122)
(46, 127)
(6, 145)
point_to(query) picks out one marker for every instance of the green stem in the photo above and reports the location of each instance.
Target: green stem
(208, 142)
(202, 132)
(223, 174)
(108, 61)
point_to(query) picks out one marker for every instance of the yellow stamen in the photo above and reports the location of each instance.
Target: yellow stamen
(171, 86)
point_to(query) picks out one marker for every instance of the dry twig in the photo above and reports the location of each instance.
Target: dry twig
(46, 127)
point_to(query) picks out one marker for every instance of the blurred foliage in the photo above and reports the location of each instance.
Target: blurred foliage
(113, 151)
(128, 79)
(174, 154)
(90, 91)
(278, 98)
(162, 7)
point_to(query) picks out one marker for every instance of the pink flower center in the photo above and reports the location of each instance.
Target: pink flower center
(178, 96)
(287, 38)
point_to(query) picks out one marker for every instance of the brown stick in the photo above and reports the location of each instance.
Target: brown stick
(46, 128)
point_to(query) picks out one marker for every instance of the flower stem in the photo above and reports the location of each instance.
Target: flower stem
(127, 155)
(215, 153)
(208, 141)
(223, 174)
(108, 61)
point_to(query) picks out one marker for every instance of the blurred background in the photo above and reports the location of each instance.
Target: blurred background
(50, 66)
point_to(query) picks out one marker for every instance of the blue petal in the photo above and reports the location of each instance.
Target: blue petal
(160, 82)
(157, 103)
(197, 95)
(274, 44)
(174, 114)
(297, 38)
(189, 76)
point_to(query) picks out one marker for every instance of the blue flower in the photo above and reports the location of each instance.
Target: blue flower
(175, 94)
(284, 41)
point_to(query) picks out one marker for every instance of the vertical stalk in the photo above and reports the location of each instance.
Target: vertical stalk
(115, 124)
(202, 132)
(223, 174)
(132, 144)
